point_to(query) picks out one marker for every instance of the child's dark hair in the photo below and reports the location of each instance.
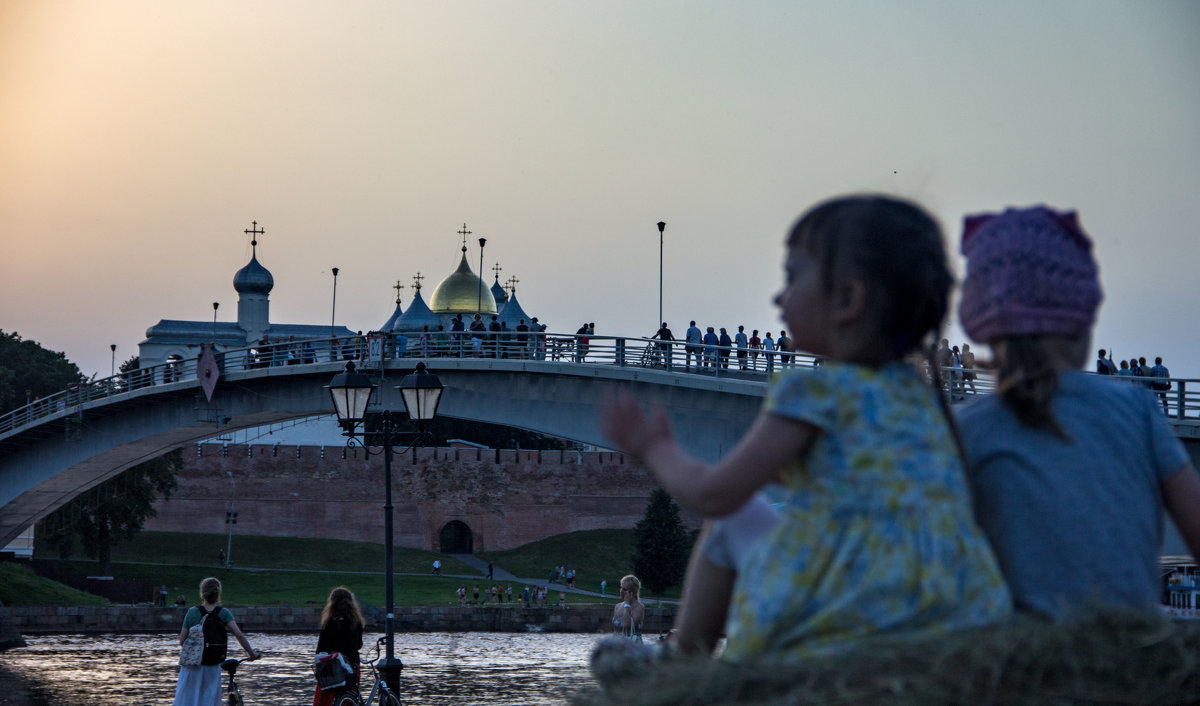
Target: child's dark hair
(898, 251)
(342, 605)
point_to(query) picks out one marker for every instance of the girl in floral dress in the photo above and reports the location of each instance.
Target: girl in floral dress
(876, 536)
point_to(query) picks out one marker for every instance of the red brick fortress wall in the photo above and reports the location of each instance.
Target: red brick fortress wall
(507, 498)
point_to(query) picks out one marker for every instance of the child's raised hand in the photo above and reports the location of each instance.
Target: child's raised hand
(627, 426)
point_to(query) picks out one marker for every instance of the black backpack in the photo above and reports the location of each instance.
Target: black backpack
(216, 642)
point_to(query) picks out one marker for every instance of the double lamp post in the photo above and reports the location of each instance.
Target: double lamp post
(351, 392)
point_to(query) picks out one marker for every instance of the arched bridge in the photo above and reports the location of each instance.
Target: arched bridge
(57, 448)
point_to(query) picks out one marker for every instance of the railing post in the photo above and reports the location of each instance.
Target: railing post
(1180, 396)
(620, 352)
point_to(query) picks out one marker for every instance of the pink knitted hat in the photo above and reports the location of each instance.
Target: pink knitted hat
(1029, 272)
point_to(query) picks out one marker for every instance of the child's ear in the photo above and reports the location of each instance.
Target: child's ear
(849, 301)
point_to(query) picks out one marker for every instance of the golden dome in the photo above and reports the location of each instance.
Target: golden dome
(462, 293)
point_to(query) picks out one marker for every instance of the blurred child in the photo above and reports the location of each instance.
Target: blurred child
(875, 533)
(1071, 471)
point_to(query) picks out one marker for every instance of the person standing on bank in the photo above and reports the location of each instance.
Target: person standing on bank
(629, 613)
(201, 685)
(341, 631)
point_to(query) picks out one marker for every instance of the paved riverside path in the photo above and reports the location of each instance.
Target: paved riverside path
(500, 575)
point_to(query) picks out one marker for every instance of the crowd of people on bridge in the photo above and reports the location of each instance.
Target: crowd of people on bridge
(846, 513)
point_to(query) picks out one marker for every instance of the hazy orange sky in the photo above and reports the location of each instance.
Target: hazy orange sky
(139, 139)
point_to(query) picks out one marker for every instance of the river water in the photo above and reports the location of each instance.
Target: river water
(439, 668)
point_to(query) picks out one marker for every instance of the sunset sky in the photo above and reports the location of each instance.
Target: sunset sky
(139, 139)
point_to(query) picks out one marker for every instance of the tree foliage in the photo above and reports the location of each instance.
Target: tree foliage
(27, 369)
(111, 512)
(661, 544)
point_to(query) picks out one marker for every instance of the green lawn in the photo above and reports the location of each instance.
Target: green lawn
(296, 572)
(20, 586)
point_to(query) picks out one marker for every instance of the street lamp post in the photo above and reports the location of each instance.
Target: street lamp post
(215, 305)
(333, 319)
(351, 392)
(662, 225)
(112, 370)
(479, 298)
(230, 519)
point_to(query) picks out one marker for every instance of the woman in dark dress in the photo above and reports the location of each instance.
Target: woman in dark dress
(341, 631)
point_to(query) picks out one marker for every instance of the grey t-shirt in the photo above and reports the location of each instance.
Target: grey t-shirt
(1074, 524)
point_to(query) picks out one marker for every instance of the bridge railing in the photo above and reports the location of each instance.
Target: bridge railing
(1180, 401)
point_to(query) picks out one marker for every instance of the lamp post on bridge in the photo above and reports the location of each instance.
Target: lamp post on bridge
(351, 393)
(662, 225)
(112, 370)
(333, 320)
(479, 298)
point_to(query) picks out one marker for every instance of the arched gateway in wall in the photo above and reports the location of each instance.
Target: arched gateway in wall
(455, 538)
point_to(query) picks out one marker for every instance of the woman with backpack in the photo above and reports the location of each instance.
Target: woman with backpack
(341, 632)
(200, 684)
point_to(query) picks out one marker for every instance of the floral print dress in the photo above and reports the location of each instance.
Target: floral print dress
(876, 535)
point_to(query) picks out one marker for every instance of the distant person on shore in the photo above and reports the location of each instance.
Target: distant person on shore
(342, 632)
(629, 613)
(603, 587)
(1057, 443)
(867, 286)
(437, 567)
(201, 685)
(1104, 365)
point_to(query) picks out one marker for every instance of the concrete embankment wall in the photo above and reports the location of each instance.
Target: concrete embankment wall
(50, 620)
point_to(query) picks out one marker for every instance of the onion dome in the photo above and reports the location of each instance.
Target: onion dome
(416, 318)
(387, 325)
(462, 293)
(499, 294)
(253, 278)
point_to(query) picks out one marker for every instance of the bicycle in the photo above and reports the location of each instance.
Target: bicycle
(233, 693)
(352, 696)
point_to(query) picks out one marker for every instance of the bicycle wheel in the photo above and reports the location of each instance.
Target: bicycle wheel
(391, 700)
(347, 698)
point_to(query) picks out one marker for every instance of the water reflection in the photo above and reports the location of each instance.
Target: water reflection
(439, 668)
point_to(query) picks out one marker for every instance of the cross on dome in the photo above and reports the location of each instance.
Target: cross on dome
(398, 287)
(254, 231)
(512, 284)
(417, 279)
(464, 233)
(497, 269)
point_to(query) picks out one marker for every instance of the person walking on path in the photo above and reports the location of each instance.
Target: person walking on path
(200, 685)
(491, 571)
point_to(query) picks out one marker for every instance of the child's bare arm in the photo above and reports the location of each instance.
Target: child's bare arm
(1181, 495)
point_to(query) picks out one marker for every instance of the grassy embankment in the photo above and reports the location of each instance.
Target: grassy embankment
(296, 572)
